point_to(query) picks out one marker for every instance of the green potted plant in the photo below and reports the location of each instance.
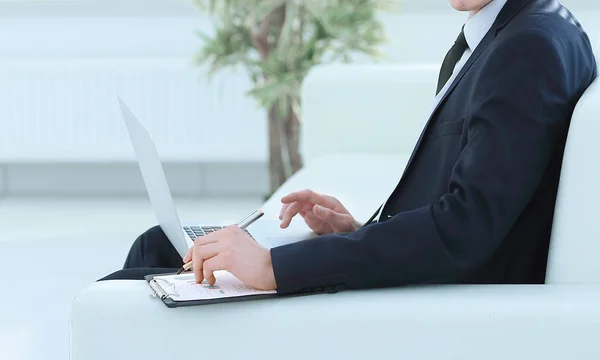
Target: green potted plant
(278, 42)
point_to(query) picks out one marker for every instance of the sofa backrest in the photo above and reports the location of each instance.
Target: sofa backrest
(365, 109)
(574, 256)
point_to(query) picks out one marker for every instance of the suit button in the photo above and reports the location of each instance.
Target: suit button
(330, 289)
(340, 287)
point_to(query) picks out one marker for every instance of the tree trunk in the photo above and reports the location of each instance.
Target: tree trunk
(292, 130)
(284, 152)
(276, 164)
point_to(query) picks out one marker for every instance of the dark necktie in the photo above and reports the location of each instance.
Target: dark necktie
(456, 52)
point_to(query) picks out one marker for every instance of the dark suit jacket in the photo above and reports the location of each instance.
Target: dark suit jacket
(476, 200)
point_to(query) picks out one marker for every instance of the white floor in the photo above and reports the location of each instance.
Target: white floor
(50, 249)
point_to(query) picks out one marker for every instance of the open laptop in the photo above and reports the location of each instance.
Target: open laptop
(267, 233)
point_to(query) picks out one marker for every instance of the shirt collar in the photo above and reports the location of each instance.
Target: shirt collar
(479, 25)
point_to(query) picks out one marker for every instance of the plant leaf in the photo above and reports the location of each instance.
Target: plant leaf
(293, 40)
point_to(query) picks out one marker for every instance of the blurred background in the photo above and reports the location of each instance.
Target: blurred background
(72, 199)
(62, 62)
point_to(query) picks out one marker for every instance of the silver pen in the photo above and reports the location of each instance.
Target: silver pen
(250, 218)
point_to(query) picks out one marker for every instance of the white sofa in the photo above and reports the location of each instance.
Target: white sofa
(376, 113)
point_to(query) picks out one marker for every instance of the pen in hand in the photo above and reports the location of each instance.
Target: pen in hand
(243, 224)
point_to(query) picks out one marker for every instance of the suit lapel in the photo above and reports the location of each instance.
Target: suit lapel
(512, 8)
(485, 42)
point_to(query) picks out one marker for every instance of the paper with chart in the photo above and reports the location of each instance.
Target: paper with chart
(184, 287)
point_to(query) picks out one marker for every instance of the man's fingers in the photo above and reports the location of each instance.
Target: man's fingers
(290, 212)
(207, 251)
(311, 197)
(198, 275)
(291, 197)
(304, 195)
(207, 239)
(210, 266)
(201, 254)
(283, 209)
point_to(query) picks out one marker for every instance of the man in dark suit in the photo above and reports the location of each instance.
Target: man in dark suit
(475, 202)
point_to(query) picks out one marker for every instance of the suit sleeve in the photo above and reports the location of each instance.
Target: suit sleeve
(516, 119)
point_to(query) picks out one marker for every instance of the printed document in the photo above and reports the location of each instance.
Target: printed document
(184, 287)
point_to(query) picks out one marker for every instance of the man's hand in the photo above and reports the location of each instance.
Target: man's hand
(232, 249)
(322, 213)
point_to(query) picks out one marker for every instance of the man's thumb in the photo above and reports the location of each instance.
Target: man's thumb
(188, 256)
(323, 213)
(334, 219)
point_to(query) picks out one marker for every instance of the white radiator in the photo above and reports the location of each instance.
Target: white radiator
(59, 110)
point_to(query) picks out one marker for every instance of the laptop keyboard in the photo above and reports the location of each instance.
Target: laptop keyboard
(197, 231)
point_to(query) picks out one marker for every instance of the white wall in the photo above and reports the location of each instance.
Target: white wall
(62, 61)
(421, 31)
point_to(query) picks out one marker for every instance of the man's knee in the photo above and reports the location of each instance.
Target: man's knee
(153, 238)
(152, 249)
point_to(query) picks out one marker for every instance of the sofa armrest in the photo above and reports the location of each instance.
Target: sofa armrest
(120, 320)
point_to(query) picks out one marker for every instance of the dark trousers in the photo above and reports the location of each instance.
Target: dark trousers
(151, 253)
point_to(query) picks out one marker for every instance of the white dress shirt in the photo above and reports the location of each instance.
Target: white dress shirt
(476, 27)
